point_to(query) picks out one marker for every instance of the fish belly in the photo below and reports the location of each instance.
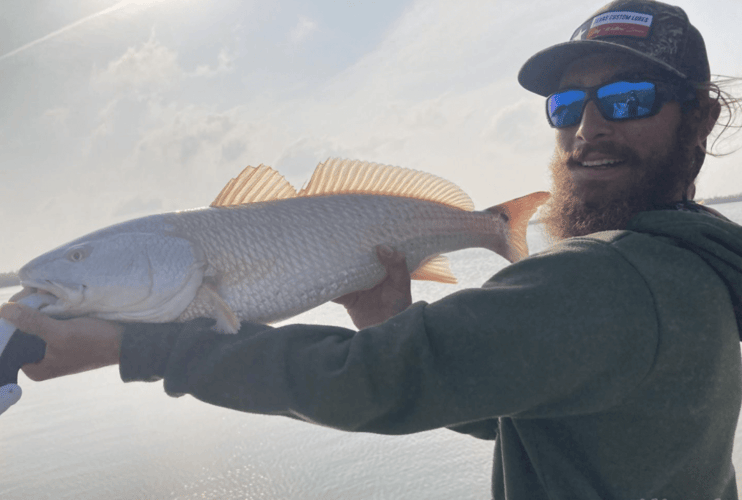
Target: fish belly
(272, 260)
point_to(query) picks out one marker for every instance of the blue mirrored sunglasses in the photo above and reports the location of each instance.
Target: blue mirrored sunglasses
(621, 100)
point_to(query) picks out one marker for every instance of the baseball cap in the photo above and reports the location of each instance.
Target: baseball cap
(656, 32)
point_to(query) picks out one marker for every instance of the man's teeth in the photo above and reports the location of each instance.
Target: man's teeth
(599, 163)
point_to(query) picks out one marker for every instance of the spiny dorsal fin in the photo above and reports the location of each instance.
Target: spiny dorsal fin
(434, 269)
(254, 185)
(337, 176)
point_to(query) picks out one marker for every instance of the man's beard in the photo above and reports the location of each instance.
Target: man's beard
(656, 182)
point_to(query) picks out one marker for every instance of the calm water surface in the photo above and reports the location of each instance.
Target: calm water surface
(90, 436)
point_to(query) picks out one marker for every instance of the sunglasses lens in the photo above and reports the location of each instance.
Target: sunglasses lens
(627, 100)
(565, 108)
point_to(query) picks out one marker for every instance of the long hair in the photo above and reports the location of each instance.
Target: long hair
(730, 119)
(709, 96)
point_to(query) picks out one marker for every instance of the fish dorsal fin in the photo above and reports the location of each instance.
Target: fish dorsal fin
(337, 176)
(255, 184)
(434, 269)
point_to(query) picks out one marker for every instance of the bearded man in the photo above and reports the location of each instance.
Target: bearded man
(606, 367)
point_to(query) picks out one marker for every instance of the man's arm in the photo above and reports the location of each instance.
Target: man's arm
(546, 336)
(541, 336)
(72, 346)
(82, 344)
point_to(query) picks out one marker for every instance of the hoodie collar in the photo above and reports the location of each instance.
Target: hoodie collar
(706, 232)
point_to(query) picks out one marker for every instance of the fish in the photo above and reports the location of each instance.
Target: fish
(264, 252)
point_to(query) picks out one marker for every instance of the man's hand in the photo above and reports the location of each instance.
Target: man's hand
(391, 296)
(72, 346)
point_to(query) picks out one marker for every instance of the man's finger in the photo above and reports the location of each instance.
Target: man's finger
(25, 292)
(27, 319)
(395, 264)
(347, 300)
(390, 258)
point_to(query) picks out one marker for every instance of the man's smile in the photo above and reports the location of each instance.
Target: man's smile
(597, 171)
(601, 163)
(596, 166)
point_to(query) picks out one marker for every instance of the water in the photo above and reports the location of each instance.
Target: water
(89, 436)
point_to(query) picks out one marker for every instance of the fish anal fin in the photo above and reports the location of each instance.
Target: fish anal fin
(516, 214)
(434, 269)
(337, 176)
(254, 184)
(226, 320)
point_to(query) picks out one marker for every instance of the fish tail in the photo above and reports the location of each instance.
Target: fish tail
(516, 214)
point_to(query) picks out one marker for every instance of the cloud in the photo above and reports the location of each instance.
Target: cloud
(183, 134)
(137, 206)
(303, 29)
(149, 68)
(431, 96)
(233, 149)
(57, 119)
(439, 44)
(514, 124)
(106, 120)
(224, 64)
(193, 150)
(297, 160)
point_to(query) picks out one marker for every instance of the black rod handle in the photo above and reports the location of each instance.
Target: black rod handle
(22, 348)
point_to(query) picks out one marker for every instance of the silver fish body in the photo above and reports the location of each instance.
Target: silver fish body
(262, 261)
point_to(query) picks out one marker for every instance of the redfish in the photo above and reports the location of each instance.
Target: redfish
(264, 252)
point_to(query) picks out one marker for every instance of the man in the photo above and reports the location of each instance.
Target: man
(607, 367)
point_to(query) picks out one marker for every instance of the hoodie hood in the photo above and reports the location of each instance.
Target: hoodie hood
(704, 231)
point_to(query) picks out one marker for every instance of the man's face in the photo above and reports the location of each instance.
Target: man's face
(607, 171)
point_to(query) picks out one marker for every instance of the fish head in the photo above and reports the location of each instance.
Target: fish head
(118, 275)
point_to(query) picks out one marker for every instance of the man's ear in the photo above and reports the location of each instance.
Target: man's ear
(690, 193)
(709, 114)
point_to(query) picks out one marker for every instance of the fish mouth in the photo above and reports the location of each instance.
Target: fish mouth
(68, 295)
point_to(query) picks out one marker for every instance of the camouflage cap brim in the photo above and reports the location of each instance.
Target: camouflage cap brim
(542, 73)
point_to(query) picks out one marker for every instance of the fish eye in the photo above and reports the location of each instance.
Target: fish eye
(76, 255)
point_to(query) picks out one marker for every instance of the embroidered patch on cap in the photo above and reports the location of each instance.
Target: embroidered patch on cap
(622, 23)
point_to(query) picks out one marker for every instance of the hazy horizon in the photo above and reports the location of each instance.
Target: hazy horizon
(120, 109)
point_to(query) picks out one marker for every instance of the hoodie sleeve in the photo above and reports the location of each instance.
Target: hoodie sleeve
(566, 332)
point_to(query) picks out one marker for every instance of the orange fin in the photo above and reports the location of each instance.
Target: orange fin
(337, 176)
(517, 213)
(226, 319)
(254, 184)
(435, 268)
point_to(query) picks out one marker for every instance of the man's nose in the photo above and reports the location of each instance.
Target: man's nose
(592, 125)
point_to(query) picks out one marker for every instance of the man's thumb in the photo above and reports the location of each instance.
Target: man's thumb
(25, 318)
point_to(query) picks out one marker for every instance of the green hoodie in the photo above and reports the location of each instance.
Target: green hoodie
(607, 367)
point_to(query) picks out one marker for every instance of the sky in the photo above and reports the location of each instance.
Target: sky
(111, 110)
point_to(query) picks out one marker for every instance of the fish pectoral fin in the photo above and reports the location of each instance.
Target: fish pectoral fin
(434, 269)
(226, 320)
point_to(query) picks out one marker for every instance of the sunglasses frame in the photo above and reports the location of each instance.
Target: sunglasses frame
(666, 90)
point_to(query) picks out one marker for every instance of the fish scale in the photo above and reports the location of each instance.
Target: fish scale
(316, 265)
(263, 252)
